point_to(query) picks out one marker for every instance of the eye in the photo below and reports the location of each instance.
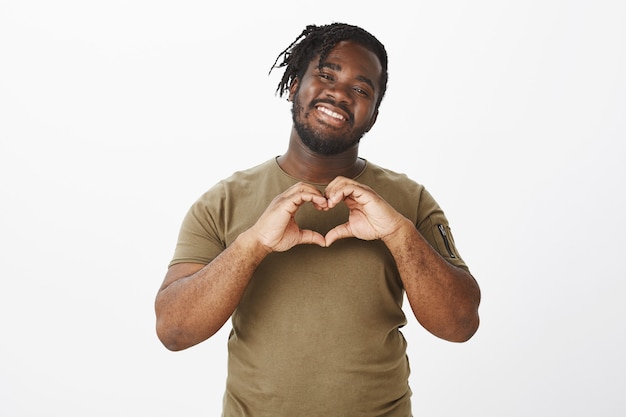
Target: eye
(325, 76)
(361, 91)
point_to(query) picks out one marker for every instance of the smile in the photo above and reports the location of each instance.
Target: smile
(331, 113)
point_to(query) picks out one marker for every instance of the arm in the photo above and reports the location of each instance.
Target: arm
(195, 300)
(443, 298)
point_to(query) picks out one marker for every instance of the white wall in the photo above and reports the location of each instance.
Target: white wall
(115, 116)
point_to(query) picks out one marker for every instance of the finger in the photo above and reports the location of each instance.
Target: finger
(339, 179)
(319, 201)
(341, 189)
(297, 195)
(303, 187)
(312, 237)
(338, 232)
(337, 184)
(309, 193)
(337, 194)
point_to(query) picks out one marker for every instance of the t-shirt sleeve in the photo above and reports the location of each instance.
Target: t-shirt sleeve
(433, 225)
(200, 238)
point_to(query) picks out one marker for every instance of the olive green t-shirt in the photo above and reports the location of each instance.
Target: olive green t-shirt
(317, 332)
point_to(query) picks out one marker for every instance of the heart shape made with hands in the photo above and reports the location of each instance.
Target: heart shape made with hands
(297, 215)
(344, 220)
(322, 222)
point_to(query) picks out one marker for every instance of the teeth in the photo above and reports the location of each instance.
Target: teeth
(330, 113)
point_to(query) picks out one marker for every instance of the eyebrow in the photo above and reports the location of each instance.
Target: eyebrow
(337, 67)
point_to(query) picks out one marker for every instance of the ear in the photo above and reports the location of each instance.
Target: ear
(293, 89)
(372, 121)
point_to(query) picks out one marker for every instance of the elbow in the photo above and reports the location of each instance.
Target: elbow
(177, 334)
(461, 324)
(171, 331)
(170, 328)
(467, 322)
(458, 328)
(467, 317)
(170, 336)
(167, 329)
(460, 332)
(466, 330)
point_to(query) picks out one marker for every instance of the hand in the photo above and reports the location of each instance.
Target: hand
(277, 229)
(370, 218)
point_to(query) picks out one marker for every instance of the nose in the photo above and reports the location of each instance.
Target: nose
(340, 93)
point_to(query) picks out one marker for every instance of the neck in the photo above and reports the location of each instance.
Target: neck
(302, 163)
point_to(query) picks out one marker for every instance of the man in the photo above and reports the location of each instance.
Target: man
(311, 253)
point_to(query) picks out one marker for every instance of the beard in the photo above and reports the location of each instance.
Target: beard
(323, 143)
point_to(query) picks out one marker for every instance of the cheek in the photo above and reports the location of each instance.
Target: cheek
(308, 89)
(365, 114)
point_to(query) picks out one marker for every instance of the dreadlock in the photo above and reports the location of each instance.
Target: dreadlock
(320, 40)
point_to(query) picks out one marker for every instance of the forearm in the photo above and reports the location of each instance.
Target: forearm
(192, 308)
(444, 298)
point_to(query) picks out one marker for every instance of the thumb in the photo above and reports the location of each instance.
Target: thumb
(312, 237)
(338, 232)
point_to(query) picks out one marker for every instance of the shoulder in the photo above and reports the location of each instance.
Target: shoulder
(386, 181)
(251, 175)
(246, 190)
(404, 193)
(241, 181)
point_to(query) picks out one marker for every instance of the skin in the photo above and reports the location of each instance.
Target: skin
(195, 300)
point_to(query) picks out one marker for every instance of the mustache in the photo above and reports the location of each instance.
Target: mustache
(342, 106)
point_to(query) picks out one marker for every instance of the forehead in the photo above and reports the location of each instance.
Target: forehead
(354, 58)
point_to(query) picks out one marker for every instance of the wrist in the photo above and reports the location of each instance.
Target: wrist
(250, 243)
(400, 234)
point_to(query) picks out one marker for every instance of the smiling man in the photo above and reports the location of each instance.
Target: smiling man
(310, 254)
(328, 125)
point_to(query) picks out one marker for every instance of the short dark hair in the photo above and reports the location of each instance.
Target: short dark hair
(321, 40)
